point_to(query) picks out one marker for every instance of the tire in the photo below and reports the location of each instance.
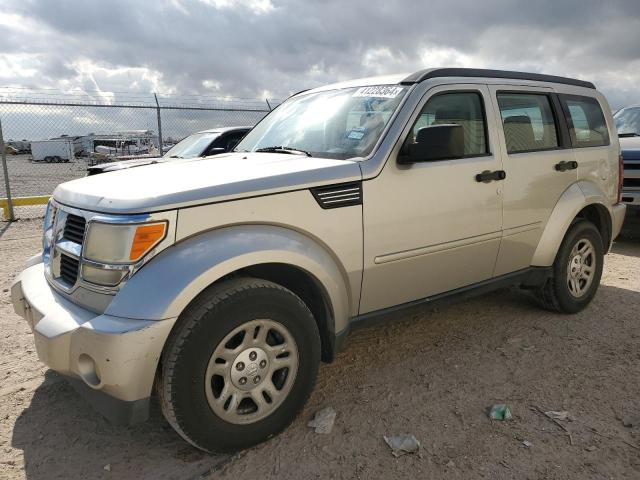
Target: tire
(205, 329)
(556, 294)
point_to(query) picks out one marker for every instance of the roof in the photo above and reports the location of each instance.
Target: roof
(422, 75)
(426, 74)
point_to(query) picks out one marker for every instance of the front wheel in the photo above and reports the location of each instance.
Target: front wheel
(240, 365)
(576, 271)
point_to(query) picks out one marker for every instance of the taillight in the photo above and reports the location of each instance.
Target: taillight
(620, 176)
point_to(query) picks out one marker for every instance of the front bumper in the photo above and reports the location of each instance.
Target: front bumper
(112, 360)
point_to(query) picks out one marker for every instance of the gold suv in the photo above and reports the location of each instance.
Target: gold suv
(224, 281)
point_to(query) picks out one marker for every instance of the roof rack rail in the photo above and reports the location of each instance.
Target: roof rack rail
(428, 73)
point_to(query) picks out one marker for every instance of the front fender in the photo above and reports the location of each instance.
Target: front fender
(572, 201)
(169, 282)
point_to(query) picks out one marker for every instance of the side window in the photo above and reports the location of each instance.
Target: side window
(464, 109)
(587, 126)
(227, 141)
(527, 121)
(232, 140)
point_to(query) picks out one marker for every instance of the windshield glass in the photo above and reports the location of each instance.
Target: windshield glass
(628, 121)
(340, 124)
(192, 146)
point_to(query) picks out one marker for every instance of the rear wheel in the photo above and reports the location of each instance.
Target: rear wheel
(576, 271)
(240, 365)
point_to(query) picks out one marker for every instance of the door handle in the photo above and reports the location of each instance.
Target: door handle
(563, 166)
(489, 176)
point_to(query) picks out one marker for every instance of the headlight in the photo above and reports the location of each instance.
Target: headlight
(122, 243)
(111, 250)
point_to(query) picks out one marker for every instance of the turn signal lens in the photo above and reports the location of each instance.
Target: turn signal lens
(146, 237)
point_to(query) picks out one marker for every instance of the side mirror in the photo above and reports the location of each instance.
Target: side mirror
(437, 142)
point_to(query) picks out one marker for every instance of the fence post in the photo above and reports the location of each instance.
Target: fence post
(3, 153)
(268, 104)
(160, 143)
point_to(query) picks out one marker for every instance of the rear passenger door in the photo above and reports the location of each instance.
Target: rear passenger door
(534, 142)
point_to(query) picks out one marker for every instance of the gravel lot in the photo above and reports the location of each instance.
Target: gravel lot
(432, 373)
(30, 178)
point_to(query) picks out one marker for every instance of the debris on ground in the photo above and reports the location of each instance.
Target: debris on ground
(323, 420)
(559, 415)
(500, 411)
(402, 444)
(631, 421)
(537, 409)
(527, 444)
(107, 467)
(591, 448)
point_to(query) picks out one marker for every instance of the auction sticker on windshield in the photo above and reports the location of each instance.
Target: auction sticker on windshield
(379, 91)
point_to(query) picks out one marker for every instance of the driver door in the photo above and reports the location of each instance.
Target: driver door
(431, 227)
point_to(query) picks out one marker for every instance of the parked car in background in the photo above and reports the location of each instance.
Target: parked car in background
(628, 126)
(224, 282)
(201, 144)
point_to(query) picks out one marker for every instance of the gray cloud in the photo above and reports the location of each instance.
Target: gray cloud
(189, 46)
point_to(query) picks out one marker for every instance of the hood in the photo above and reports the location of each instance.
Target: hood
(122, 164)
(170, 185)
(630, 147)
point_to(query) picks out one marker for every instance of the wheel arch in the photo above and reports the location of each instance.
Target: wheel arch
(581, 200)
(173, 280)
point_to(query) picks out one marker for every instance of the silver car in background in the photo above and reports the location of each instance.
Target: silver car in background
(201, 144)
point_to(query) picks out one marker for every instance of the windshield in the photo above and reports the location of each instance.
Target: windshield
(628, 121)
(192, 146)
(340, 124)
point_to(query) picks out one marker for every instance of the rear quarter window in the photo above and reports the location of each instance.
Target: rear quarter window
(587, 126)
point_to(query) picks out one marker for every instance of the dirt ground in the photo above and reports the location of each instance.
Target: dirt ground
(431, 372)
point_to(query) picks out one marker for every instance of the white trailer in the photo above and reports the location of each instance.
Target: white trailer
(53, 151)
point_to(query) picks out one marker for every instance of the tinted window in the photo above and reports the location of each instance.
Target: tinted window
(587, 126)
(465, 109)
(227, 141)
(528, 122)
(192, 146)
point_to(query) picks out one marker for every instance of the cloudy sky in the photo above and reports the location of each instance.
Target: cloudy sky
(271, 48)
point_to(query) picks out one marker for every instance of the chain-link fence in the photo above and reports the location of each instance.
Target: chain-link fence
(52, 138)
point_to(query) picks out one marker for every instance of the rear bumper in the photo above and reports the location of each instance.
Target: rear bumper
(618, 212)
(112, 360)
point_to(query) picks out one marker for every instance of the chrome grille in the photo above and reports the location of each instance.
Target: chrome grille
(74, 228)
(69, 269)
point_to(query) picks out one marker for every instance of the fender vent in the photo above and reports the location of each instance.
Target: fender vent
(342, 195)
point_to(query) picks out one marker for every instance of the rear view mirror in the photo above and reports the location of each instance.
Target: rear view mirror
(437, 142)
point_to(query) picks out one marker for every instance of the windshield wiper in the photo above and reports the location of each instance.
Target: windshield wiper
(628, 134)
(281, 149)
